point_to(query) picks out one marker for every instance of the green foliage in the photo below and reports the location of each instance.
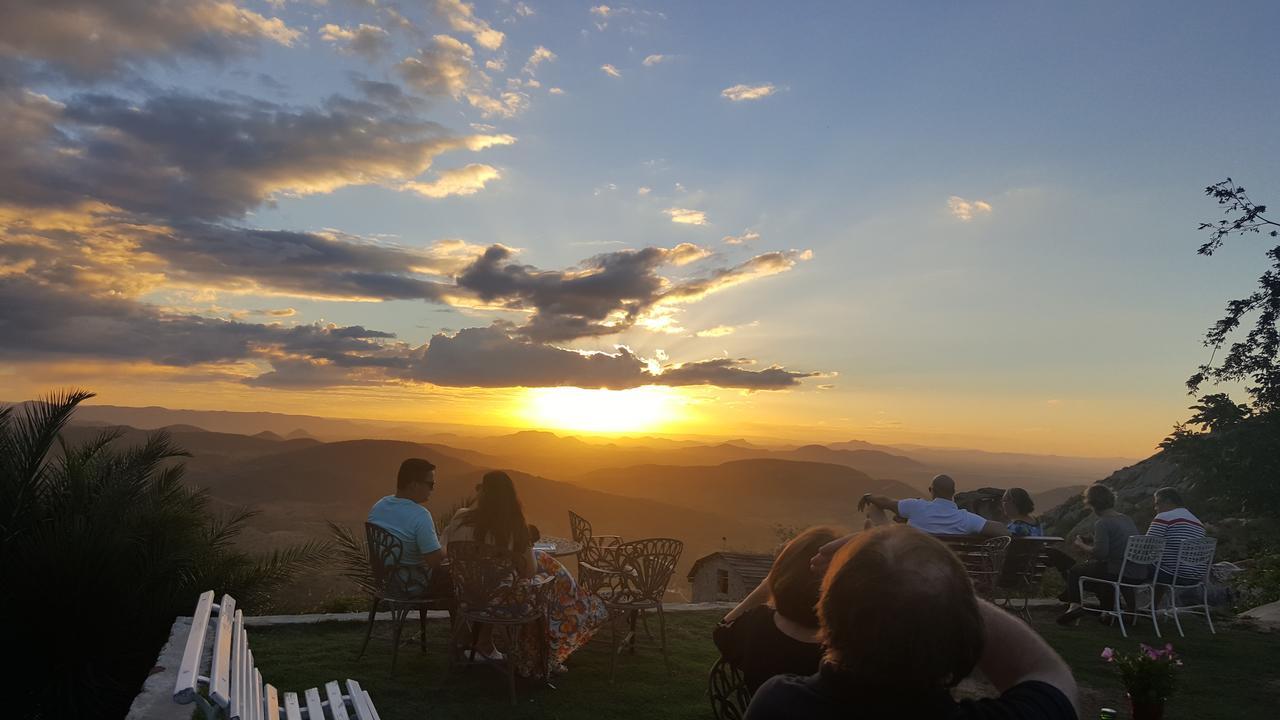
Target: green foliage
(1149, 675)
(101, 548)
(1259, 584)
(1234, 459)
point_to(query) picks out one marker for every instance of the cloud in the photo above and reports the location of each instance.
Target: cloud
(685, 216)
(178, 156)
(523, 10)
(652, 60)
(601, 11)
(739, 93)
(461, 17)
(507, 104)
(966, 210)
(642, 191)
(444, 68)
(88, 39)
(492, 357)
(747, 236)
(466, 180)
(611, 71)
(370, 41)
(555, 91)
(539, 56)
(496, 65)
(723, 330)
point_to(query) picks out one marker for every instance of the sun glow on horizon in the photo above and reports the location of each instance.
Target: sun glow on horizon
(651, 407)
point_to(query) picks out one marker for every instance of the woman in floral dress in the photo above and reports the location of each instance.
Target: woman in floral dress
(497, 518)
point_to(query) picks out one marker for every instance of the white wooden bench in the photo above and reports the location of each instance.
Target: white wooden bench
(234, 687)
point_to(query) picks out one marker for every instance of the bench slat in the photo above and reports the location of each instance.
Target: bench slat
(358, 703)
(315, 711)
(220, 672)
(369, 702)
(186, 687)
(291, 709)
(271, 703)
(337, 708)
(255, 708)
(237, 667)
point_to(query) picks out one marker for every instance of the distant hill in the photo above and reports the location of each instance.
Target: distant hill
(200, 443)
(298, 433)
(768, 490)
(268, 435)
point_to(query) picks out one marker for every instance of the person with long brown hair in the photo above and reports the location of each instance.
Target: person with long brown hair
(497, 518)
(775, 629)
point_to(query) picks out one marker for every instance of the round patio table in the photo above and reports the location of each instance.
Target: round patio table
(557, 546)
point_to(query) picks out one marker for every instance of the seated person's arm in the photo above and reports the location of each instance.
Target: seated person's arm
(991, 528)
(1101, 542)
(755, 599)
(434, 558)
(428, 544)
(1013, 653)
(822, 560)
(884, 502)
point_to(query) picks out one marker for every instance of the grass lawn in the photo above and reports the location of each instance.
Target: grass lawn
(1235, 674)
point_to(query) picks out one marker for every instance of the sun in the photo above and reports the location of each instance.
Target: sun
(604, 411)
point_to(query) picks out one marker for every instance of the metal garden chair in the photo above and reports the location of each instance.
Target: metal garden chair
(400, 589)
(1190, 573)
(593, 546)
(1141, 553)
(728, 691)
(632, 578)
(490, 591)
(1022, 572)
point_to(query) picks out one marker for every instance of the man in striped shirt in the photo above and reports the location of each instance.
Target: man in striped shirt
(1175, 524)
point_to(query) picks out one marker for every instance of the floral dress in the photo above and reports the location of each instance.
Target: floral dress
(576, 615)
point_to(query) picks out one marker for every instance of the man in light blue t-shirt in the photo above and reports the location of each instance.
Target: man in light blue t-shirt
(403, 515)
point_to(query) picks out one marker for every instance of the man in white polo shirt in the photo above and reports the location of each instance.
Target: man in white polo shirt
(937, 516)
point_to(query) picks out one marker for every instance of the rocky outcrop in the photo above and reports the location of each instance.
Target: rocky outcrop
(1133, 486)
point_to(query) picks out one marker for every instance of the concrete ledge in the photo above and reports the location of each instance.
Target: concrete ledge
(155, 702)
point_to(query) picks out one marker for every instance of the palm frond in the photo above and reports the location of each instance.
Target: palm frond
(352, 555)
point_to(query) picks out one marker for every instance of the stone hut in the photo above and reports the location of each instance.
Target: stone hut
(727, 576)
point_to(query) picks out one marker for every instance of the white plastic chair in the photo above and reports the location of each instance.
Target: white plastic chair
(1190, 572)
(1140, 551)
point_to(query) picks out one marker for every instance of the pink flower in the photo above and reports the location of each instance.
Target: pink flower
(1108, 654)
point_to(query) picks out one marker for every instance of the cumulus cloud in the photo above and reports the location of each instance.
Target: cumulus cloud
(652, 60)
(88, 39)
(179, 156)
(966, 210)
(467, 180)
(461, 17)
(685, 216)
(444, 68)
(370, 41)
(739, 93)
(507, 104)
(747, 236)
(492, 357)
(611, 71)
(539, 56)
(555, 91)
(723, 330)
(642, 190)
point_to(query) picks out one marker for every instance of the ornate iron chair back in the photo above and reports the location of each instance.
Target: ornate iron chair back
(642, 570)
(392, 580)
(728, 691)
(482, 574)
(580, 531)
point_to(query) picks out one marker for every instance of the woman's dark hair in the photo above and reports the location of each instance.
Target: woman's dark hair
(898, 614)
(793, 585)
(1021, 500)
(1099, 497)
(497, 517)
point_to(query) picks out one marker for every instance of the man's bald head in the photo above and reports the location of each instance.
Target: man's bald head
(889, 593)
(942, 486)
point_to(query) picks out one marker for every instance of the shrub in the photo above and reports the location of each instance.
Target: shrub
(100, 548)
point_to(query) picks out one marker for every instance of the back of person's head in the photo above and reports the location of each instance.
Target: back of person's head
(1021, 500)
(1169, 496)
(413, 470)
(497, 516)
(1099, 497)
(899, 614)
(943, 487)
(793, 585)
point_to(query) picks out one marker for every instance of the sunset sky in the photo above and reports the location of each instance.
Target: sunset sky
(968, 224)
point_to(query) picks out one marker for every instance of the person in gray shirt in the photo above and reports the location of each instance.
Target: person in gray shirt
(1111, 532)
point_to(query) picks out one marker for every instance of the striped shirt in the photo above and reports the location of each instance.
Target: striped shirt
(1176, 526)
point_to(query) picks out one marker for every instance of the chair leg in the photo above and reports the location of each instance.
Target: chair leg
(662, 636)
(1204, 599)
(397, 618)
(631, 638)
(1115, 602)
(422, 628)
(368, 631)
(615, 647)
(1151, 607)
